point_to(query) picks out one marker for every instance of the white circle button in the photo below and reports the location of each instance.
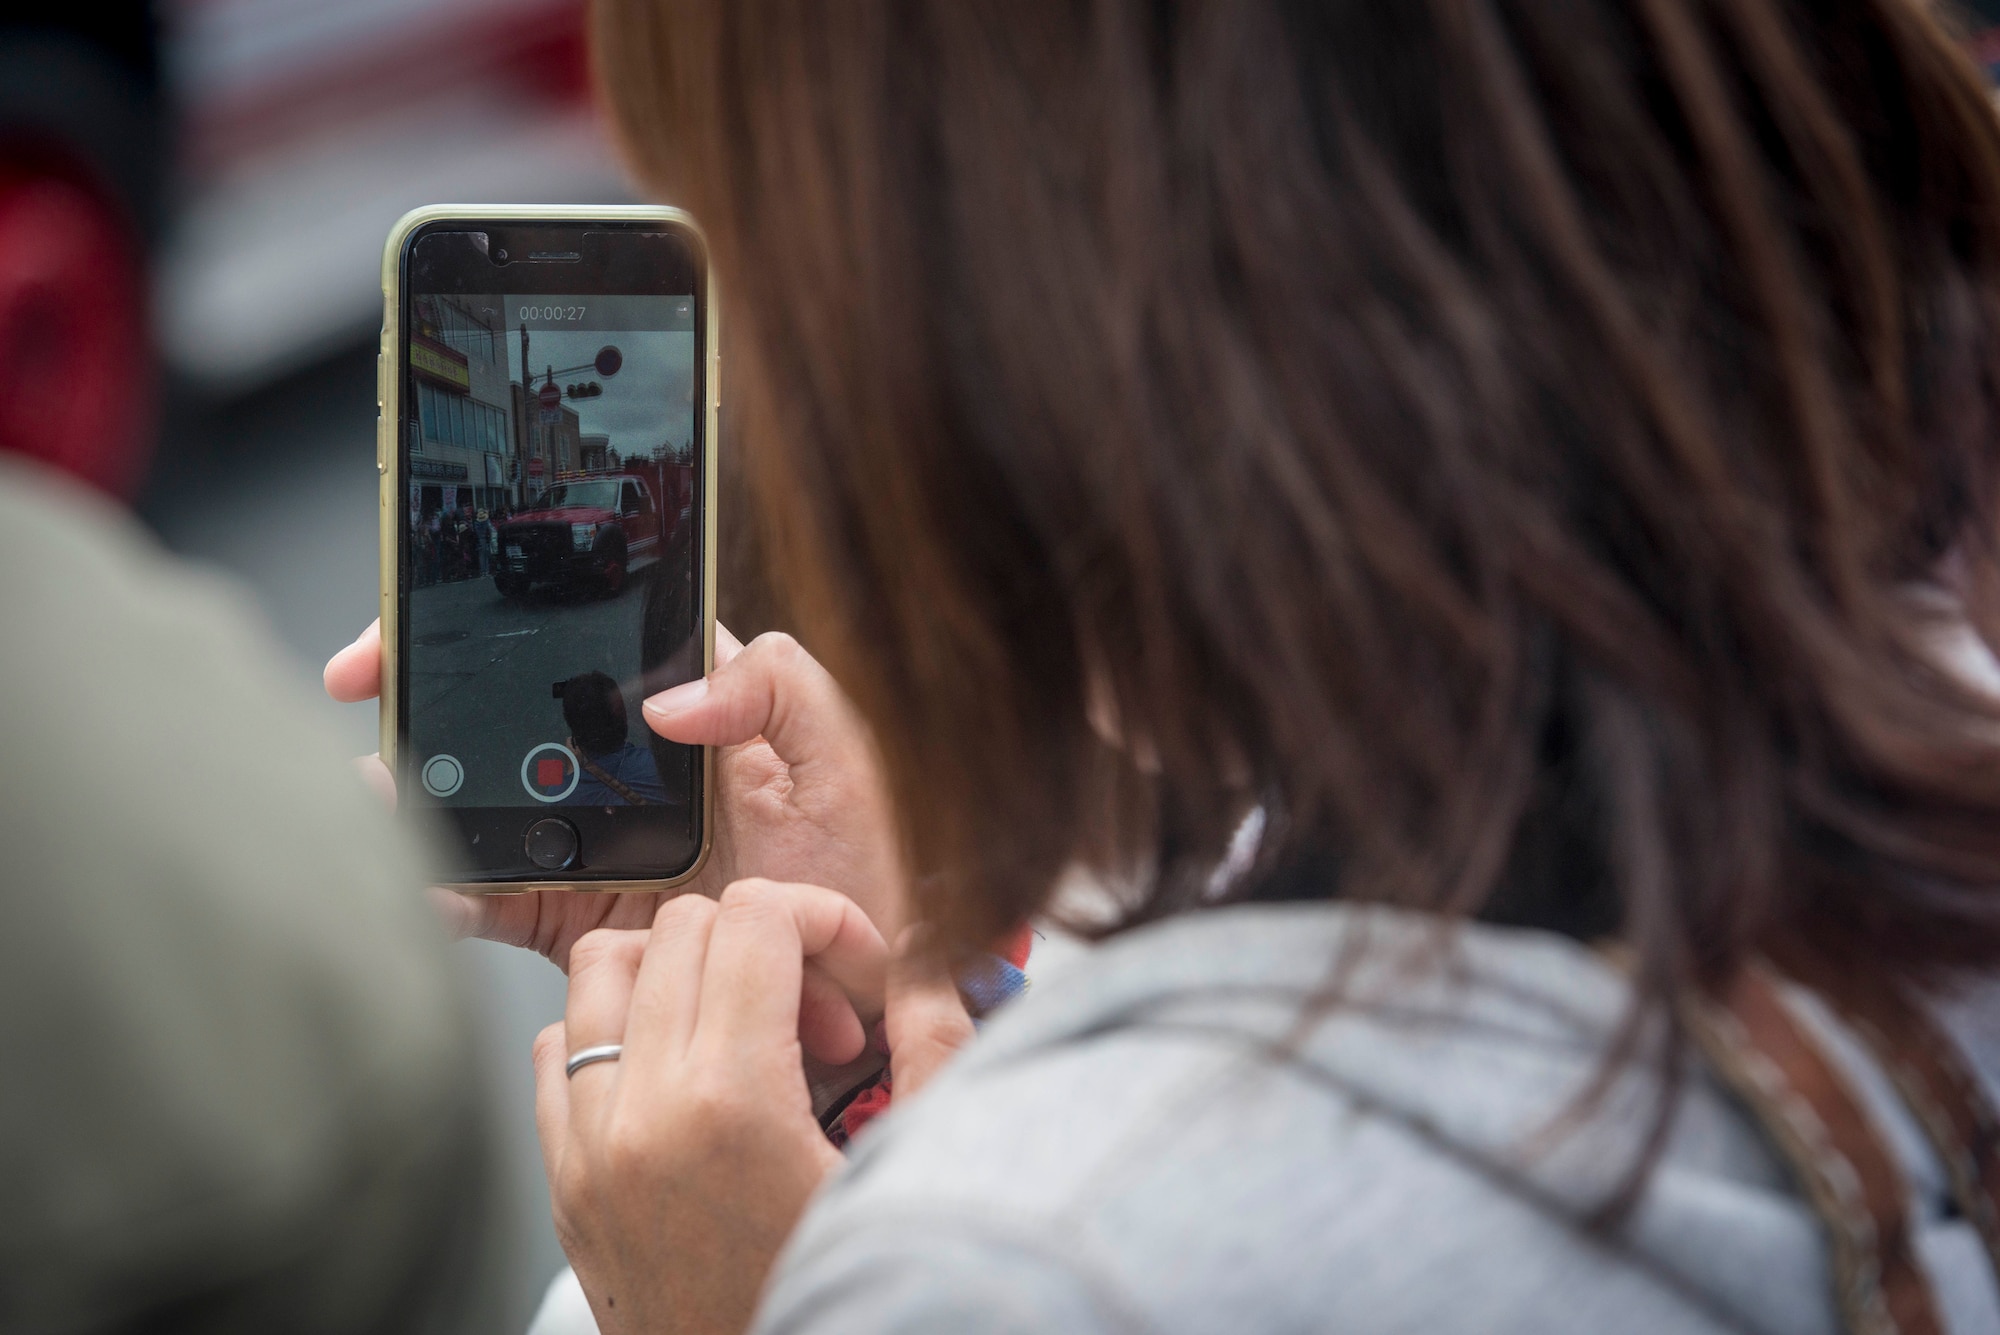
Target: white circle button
(443, 776)
(550, 772)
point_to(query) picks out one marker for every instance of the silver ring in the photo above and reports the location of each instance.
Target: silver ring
(603, 1052)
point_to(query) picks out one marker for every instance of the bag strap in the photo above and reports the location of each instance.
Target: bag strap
(1938, 1085)
(605, 777)
(1762, 1051)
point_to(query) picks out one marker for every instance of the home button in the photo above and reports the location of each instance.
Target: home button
(551, 844)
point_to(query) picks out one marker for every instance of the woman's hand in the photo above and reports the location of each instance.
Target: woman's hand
(678, 1171)
(798, 794)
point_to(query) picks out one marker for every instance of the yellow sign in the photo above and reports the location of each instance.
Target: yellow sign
(439, 364)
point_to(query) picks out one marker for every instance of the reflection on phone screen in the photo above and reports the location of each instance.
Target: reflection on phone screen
(549, 567)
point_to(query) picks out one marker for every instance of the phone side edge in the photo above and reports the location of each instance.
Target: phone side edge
(388, 468)
(711, 455)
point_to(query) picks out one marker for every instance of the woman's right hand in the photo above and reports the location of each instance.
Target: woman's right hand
(798, 794)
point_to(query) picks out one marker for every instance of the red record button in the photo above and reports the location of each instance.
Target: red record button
(550, 772)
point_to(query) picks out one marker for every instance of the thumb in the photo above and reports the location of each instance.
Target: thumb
(355, 673)
(773, 689)
(925, 1019)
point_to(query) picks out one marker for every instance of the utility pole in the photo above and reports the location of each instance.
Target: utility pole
(521, 444)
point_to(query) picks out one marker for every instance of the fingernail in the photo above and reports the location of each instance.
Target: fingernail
(678, 700)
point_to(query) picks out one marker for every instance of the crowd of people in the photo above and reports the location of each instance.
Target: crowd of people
(455, 544)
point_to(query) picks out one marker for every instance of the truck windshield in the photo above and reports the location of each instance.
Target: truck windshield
(597, 494)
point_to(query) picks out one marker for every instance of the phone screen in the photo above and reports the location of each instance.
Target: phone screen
(552, 470)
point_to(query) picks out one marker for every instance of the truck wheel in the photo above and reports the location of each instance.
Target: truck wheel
(611, 576)
(511, 586)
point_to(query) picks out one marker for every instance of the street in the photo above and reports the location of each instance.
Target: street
(482, 668)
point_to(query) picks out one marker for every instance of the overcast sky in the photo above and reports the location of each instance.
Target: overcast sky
(649, 401)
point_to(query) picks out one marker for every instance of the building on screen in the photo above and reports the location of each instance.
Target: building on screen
(463, 439)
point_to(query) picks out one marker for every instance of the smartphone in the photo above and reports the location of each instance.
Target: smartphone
(549, 392)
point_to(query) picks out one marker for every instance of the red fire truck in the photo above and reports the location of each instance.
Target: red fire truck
(592, 528)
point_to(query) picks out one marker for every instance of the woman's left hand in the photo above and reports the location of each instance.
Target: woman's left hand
(678, 1171)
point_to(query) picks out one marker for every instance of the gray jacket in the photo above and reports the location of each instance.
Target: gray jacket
(1150, 1142)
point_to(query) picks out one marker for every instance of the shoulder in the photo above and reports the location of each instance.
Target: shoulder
(257, 1010)
(1130, 1186)
(1160, 1164)
(917, 1272)
(141, 688)
(135, 678)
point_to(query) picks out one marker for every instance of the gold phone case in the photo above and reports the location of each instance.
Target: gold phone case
(388, 391)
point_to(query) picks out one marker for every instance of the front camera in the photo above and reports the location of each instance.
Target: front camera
(500, 255)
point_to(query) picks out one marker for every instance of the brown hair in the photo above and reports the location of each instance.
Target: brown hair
(1500, 438)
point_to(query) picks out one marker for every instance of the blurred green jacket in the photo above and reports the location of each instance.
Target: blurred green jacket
(238, 1080)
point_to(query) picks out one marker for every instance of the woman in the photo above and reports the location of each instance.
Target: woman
(1520, 456)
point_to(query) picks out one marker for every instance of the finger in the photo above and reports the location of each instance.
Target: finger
(549, 922)
(926, 1019)
(603, 966)
(828, 1027)
(764, 932)
(378, 778)
(666, 1000)
(773, 689)
(551, 1050)
(462, 915)
(355, 673)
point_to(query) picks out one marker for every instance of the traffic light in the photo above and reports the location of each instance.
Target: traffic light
(589, 389)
